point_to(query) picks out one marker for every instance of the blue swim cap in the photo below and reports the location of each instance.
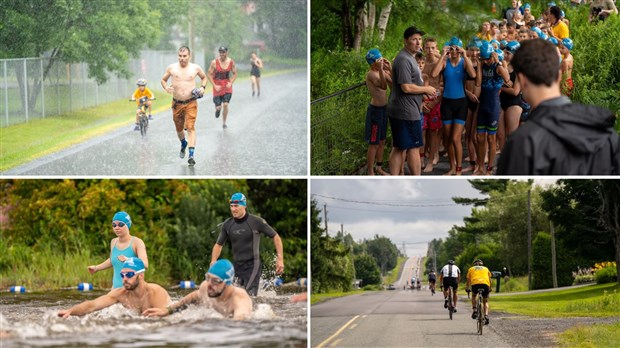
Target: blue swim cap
(500, 54)
(238, 198)
(537, 31)
(513, 46)
(224, 270)
(373, 55)
(455, 41)
(568, 43)
(527, 6)
(134, 263)
(486, 49)
(122, 217)
(553, 40)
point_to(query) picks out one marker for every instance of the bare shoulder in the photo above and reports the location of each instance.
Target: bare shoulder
(156, 288)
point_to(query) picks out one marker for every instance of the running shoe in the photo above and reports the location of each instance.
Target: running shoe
(217, 113)
(474, 315)
(445, 304)
(253, 93)
(191, 161)
(454, 310)
(182, 152)
(224, 126)
(150, 117)
(486, 320)
(136, 128)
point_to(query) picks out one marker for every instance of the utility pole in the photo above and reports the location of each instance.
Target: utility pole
(325, 218)
(553, 264)
(529, 238)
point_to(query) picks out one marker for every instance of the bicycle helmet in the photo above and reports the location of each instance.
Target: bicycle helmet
(568, 43)
(451, 262)
(223, 49)
(478, 262)
(141, 82)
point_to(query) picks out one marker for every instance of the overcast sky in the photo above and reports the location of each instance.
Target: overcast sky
(410, 211)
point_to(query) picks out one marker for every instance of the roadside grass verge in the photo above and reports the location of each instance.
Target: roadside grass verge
(591, 336)
(590, 301)
(316, 298)
(25, 142)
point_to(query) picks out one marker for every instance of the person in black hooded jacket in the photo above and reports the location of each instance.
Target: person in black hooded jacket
(560, 137)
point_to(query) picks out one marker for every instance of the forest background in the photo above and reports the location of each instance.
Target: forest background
(52, 230)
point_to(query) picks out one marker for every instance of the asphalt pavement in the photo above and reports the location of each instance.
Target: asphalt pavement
(397, 318)
(266, 136)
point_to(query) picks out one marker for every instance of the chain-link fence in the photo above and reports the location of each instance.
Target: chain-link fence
(33, 88)
(337, 132)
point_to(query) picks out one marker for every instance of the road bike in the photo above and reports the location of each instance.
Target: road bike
(432, 287)
(143, 119)
(480, 310)
(450, 301)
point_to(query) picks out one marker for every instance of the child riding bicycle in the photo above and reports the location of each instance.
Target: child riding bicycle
(142, 91)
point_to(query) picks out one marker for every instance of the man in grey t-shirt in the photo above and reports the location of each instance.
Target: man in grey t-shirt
(405, 105)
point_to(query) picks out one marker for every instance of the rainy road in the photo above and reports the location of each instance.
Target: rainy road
(265, 136)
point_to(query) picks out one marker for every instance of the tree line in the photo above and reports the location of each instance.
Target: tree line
(337, 261)
(67, 225)
(582, 215)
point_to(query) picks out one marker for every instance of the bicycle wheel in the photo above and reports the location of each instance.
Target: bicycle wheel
(144, 123)
(479, 308)
(450, 302)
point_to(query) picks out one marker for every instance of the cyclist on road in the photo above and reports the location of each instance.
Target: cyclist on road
(450, 275)
(479, 277)
(142, 91)
(432, 278)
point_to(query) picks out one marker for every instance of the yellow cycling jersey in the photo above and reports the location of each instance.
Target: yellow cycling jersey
(137, 94)
(479, 275)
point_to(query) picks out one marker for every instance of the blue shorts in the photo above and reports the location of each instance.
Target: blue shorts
(454, 110)
(376, 124)
(222, 99)
(488, 114)
(406, 134)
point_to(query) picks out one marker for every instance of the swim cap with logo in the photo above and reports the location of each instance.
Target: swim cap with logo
(224, 270)
(122, 217)
(134, 263)
(373, 55)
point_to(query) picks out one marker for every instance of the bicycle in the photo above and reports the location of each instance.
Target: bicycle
(432, 288)
(480, 310)
(450, 301)
(143, 119)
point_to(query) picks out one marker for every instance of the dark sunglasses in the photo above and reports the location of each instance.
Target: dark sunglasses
(120, 224)
(127, 275)
(215, 281)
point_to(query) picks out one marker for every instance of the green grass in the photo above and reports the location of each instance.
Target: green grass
(25, 142)
(590, 336)
(393, 276)
(588, 301)
(316, 298)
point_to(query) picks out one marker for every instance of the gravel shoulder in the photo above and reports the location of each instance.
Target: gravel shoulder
(525, 331)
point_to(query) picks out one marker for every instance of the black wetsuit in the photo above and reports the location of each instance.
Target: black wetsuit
(244, 236)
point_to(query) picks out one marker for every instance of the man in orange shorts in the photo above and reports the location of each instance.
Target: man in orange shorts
(184, 95)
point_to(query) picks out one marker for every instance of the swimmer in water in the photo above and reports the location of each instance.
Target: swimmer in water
(217, 292)
(136, 293)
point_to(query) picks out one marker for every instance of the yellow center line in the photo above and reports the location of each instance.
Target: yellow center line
(322, 344)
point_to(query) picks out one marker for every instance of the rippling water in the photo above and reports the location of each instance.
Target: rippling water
(30, 320)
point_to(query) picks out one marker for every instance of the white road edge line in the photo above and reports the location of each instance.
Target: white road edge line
(322, 344)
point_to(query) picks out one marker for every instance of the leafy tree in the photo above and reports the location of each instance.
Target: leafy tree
(384, 252)
(586, 215)
(484, 186)
(332, 266)
(283, 25)
(366, 269)
(541, 263)
(103, 34)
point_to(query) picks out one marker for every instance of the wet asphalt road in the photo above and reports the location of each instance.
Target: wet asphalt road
(265, 136)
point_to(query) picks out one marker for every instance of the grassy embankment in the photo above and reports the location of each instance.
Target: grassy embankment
(25, 142)
(590, 301)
